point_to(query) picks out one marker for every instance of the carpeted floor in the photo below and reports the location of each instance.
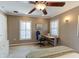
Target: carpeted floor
(21, 51)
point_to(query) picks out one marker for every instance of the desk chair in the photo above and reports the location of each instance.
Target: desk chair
(41, 41)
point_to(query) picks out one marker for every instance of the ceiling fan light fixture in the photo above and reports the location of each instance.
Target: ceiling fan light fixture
(40, 6)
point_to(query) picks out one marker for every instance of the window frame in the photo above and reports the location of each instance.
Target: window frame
(57, 27)
(25, 30)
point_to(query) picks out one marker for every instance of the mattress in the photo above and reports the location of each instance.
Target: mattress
(59, 51)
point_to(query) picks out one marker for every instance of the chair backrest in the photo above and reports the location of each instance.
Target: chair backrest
(42, 38)
(37, 35)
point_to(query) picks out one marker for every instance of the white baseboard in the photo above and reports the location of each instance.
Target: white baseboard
(23, 44)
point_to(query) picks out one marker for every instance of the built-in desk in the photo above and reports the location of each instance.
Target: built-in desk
(51, 39)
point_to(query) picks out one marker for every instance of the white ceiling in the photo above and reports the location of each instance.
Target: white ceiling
(23, 7)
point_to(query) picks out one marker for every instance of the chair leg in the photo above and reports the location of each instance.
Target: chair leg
(42, 43)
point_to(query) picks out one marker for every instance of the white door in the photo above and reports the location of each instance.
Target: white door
(4, 45)
(3, 27)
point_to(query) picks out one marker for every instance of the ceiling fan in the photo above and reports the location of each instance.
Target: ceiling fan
(41, 5)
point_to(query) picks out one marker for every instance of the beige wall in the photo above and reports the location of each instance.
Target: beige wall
(13, 27)
(68, 31)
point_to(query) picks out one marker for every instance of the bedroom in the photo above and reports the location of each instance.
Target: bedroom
(22, 40)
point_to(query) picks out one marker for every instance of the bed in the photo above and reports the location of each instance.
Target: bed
(55, 52)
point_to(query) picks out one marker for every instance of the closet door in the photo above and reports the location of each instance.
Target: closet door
(3, 27)
(4, 44)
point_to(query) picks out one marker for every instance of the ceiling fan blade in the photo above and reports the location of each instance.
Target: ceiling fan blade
(32, 10)
(57, 4)
(44, 11)
(32, 2)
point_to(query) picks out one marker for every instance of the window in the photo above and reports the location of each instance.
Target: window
(54, 27)
(25, 30)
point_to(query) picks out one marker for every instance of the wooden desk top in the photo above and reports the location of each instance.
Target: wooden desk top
(48, 36)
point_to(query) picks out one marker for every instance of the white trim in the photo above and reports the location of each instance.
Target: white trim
(23, 43)
(2, 11)
(78, 27)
